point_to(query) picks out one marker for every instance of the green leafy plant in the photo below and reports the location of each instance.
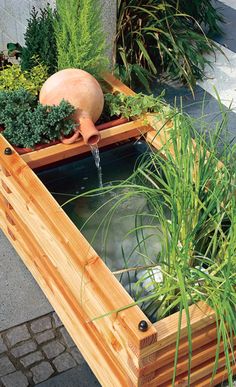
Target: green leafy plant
(13, 78)
(40, 43)
(27, 123)
(156, 37)
(135, 105)
(79, 36)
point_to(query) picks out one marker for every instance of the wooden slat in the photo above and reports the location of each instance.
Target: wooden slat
(201, 356)
(58, 152)
(204, 370)
(165, 355)
(116, 85)
(201, 316)
(220, 377)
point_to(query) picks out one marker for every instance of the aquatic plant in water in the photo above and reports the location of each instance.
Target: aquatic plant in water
(190, 210)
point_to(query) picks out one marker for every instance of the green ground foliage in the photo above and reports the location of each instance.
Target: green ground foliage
(79, 36)
(40, 42)
(37, 123)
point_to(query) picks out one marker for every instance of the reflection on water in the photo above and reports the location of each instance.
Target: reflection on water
(111, 222)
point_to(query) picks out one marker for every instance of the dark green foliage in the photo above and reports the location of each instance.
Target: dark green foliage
(161, 37)
(14, 49)
(27, 123)
(40, 43)
(79, 36)
(203, 12)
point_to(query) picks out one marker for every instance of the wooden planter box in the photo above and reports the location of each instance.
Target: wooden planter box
(80, 287)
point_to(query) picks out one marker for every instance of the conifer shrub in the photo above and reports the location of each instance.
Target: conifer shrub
(27, 123)
(40, 42)
(80, 38)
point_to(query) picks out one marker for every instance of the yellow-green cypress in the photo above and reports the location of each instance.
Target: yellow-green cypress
(80, 37)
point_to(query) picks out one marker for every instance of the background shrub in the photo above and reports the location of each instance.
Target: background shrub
(40, 43)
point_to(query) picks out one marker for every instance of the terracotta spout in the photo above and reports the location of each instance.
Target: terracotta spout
(90, 134)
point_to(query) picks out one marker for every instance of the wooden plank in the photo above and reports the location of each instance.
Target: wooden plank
(202, 371)
(116, 85)
(220, 377)
(61, 151)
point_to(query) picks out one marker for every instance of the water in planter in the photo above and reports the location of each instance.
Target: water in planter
(96, 155)
(116, 233)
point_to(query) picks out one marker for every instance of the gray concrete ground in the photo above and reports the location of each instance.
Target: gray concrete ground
(76, 377)
(20, 297)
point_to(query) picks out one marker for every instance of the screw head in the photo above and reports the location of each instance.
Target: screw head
(7, 151)
(143, 326)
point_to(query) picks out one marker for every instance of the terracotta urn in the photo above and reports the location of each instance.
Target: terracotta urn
(83, 91)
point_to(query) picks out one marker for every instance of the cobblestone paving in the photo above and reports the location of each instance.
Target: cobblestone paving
(36, 351)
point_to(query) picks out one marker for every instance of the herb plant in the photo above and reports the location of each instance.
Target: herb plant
(79, 36)
(27, 123)
(13, 78)
(134, 105)
(40, 42)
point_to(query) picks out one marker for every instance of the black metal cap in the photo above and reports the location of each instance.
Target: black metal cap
(143, 326)
(8, 151)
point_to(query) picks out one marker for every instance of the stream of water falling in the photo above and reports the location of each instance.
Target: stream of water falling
(96, 156)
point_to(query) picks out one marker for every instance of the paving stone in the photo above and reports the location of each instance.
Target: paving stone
(45, 336)
(77, 356)
(64, 362)
(42, 324)
(17, 379)
(24, 349)
(6, 366)
(31, 358)
(68, 340)
(56, 320)
(3, 348)
(53, 349)
(17, 334)
(42, 372)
